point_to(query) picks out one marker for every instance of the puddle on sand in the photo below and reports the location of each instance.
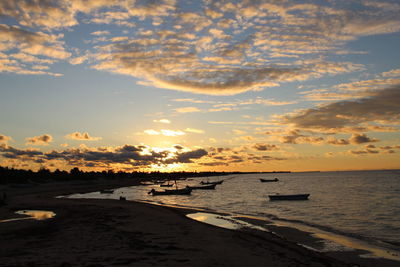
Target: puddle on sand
(223, 221)
(33, 214)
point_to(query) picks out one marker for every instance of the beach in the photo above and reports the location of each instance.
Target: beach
(93, 232)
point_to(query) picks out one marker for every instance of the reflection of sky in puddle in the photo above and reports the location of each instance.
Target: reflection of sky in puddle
(222, 221)
(37, 214)
(336, 242)
(33, 214)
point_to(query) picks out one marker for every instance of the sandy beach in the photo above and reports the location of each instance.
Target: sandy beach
(90, 232)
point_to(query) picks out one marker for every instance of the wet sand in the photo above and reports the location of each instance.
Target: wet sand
(90, 232)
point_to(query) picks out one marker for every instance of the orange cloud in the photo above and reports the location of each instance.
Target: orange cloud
(187, 110)
(44, 139)
(81, 136)
(4, 138)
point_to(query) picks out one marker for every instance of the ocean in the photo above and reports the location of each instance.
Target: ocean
(363, 206)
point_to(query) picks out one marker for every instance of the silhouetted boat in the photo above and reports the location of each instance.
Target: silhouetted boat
(183, 191)
(107, 191)
(216, 182)
(289, 197)
(269, 180)
(209, 186)
(166, 185)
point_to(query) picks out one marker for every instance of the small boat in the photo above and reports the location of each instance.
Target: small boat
(289, 197)
(216, 182)
(183, 191)
(209, 186)
(107, 191)
(166, 185)
(269, 180)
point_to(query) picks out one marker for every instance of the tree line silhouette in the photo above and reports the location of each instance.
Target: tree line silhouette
(19, 176)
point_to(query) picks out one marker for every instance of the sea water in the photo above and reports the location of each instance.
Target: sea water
(357, 204)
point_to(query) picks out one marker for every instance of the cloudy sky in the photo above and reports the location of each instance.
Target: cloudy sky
(175, 85)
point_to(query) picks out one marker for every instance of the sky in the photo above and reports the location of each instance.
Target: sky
(168, 85)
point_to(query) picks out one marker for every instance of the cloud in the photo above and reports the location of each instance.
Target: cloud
(220, 109)
(355, 90)
(217, 48)
(151, 132)
(27, 50)
(265, 147)
(338, 142)
(191, 100)
(35, 43)
(187, 110)
(164, 132)
(81, 137)
(78, 60)
(239, 132)
(99, 33)
(367, 150)
(4, 138)
(47, 14)
(382, 107)
(44, 139)
(295, 137)
(163, 121)
(134, 156)
(219, 156)
(192, 130)
(361, 138)
(211, 54)
(392, 73)
(187, 157)
(14, 153)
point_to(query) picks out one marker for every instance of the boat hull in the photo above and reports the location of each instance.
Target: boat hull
(269, 180)
(289, 197)
(207, 183)
(204, 187)
(166, 185)
(185, 191)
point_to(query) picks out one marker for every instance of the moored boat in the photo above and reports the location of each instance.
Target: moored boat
(269, 180)
(209, 186)
(166, 185)
(183, 191)
(216, 182)
(289, 197)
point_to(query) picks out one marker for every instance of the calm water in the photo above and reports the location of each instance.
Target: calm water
(363, 204)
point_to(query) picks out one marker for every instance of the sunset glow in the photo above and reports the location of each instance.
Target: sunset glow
(173, 85)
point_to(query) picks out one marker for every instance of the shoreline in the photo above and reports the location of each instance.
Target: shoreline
(338, 245)
(109, 232)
